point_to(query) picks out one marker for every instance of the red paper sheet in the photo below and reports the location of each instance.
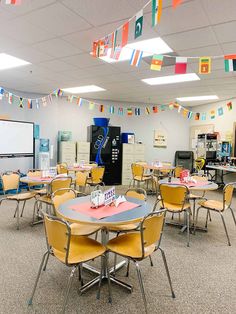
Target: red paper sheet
(189, 184)
(104, 211)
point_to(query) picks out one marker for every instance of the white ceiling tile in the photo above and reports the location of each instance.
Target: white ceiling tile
(219, 11)
(225, 32)
(57, 19)
(57, 48)
(57, 66)
(29, 54)
(191, 39)
(229, 48)
(83, 60)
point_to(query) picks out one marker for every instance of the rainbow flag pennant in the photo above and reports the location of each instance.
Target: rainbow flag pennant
(136, 57)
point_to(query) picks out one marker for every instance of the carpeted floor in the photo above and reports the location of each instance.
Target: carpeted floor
(203, 275)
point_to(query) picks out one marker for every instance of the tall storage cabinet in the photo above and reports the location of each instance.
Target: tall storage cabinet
(131, 153)
(67, 152)
(83, 152)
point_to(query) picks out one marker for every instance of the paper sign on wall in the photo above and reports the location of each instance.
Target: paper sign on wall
(160, 138)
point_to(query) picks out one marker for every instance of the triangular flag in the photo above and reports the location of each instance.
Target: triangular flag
(184, 113)
(138, 24)
(213, 114)
(230, 63)
(112, 109)
(197, 116)
(147, 110)
(101, 108)
(157, 61)
(137, 111)
(125, 34)
(113, 43)
(155, 109)
(91, 105)
(156, 12)
(120, 111)
(176, 3)
(220, 111)
(181, 65)
(136, 57)
(190, 114)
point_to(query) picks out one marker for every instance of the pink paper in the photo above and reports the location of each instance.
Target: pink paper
(189, 184)
(39, 179)
(104, 211)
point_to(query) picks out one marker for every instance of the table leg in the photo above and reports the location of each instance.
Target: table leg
(95, 281)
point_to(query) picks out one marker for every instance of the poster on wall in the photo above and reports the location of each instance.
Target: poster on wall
(160, 138)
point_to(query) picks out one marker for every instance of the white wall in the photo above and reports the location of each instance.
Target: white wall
(63, 115)
(222, 123)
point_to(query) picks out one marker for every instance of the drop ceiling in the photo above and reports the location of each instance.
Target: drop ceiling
(56, 37)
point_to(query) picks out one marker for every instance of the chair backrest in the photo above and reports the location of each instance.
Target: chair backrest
(151, 229)
(199, 178)
(185, 159)
(58, 234)
(199, 163)
(97, 174)
(61, 196)
(137, 170)
(34, 173)
(10, 181)
(62, 168)
(171, 194)
(59, 183)
(142, 163)
(228, 194)
(91, 164)
(81, 178)
(138, 193)
(177, 171)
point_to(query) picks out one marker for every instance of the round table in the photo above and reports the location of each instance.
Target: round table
(80, 168)
(134, 215)
(208, 186)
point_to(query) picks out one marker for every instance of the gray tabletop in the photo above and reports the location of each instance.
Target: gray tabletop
(129, 216)
(209, 186)
(222, 168)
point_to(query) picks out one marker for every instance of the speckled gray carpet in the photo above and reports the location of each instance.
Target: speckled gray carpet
(203, 276)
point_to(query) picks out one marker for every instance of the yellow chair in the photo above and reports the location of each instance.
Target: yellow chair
(10, 182)
(177, 171)
(138, 245)
(62, 168)
(36, 173)
(138, 175)
(97, 174)
(56, 184)
(165, 169)
(81, 181)
(174, 200)
(219, 206)
(71, 251)
(61, 196)
(199, 164)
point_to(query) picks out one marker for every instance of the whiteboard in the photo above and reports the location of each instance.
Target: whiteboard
(16, 138)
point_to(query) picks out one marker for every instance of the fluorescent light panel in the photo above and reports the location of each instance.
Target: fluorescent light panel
(9, 62)
(148, 46)
(196, 98)
(171, 79)
(83, 89)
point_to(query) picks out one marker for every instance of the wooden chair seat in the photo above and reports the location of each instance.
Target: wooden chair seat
(82, 249)
(122, 228)
(212, 204)
(129, 245)
(176, 208)
(21, 196)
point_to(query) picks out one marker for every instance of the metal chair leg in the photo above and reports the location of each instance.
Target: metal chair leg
(167, 272)
(46, 263)
(208, 212)
(34, 212)
(127, 270)
(209, 216)
(231, 209)
(194, 232)
(151, 262)
(141, 285)
(68, 288)
(115, 261)
(37, 278)
(18, 215)
(225, 228)
(100, 279)
(22, 211)
(108, 279)
(188, 222)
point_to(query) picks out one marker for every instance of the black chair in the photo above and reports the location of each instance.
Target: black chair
(185, 159)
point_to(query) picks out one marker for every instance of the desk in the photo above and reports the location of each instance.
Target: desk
(131, 216)
(221, 171)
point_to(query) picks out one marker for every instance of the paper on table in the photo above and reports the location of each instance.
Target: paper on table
(120, 199)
